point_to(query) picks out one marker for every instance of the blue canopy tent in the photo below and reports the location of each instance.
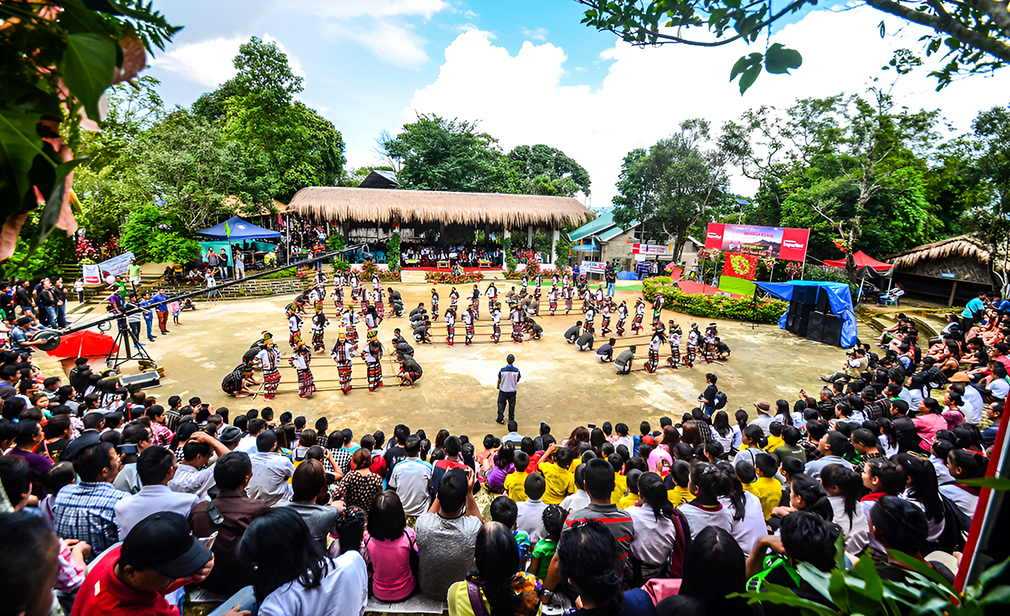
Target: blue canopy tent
(235, 229)
(839, 298)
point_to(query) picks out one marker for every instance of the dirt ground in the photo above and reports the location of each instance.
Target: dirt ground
(559, 384)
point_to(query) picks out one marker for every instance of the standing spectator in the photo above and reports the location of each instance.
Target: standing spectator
(148, 315)
(610, 275)
(60, 293)
(410, 481)
(508, 383)
(239, 265)
(271, 471)
(161, 310)
(79, 290)
(156, 467)
(86, 511)
(47, 303)
(447, 533)
(222, 261)
(133, 274)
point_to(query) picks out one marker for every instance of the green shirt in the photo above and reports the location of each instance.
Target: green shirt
(544, 550)
(791, 451)
(133, 271)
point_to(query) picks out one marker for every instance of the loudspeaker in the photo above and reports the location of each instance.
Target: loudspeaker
(823, 305)
(798, 318)
(805, 295)
(832, 333)
(816, 327)
(146, 380)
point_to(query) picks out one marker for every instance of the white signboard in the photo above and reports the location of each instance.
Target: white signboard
(592, 267)
(651, 249)
(92, 274)
(116, 266)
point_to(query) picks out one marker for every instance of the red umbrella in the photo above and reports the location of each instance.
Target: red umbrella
(84, 343)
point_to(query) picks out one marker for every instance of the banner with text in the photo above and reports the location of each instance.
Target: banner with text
(651, 249)
(116, 266)
(92, 274)
(592, 267)
(777, 242)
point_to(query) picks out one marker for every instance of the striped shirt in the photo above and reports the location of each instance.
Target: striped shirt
(86, 512)
(617, 521)
(509, 378)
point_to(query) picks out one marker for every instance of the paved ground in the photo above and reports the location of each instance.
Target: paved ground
(559, 385)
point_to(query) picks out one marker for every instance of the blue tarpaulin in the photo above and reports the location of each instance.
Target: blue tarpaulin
(235, 230)
(839, 297)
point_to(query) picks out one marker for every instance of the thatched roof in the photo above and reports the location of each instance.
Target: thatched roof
(375, 205)
(962, 246)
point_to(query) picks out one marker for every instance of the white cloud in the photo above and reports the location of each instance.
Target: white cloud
(398, 45)
(372, 8)
(648, 92)
(208, 63)
(537, 34)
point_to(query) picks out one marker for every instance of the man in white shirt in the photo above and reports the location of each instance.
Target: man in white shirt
(531, 511)
(156, 467)
(248, 442)
(974, 405)
(764, 418)
(410, 479)
(513, 436)
(271, 471)
(829, 444)
(193, 475)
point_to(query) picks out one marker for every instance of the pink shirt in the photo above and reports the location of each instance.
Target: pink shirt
(659, 453)
(926, 425)
(392, 579)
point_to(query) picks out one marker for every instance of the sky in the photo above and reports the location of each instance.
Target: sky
(530, 72)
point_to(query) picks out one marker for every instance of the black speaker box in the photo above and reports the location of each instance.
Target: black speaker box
(815, 329)
(823, 305)
(805, 295)
(146, 380)
(799, 314)
(832, 333)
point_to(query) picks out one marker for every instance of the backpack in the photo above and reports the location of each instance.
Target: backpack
(720, 400)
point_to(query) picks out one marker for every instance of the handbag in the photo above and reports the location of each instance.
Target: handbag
(415, 558)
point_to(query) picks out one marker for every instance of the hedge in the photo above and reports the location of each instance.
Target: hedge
(447, 278)
(714, 306)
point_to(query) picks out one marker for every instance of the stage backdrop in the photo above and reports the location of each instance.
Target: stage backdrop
(744, 244)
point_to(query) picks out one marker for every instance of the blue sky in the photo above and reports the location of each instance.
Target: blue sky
(530, 72)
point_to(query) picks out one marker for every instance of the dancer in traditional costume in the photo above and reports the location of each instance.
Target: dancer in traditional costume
(636, 324)
(525, 282)
(376, 282)
(349, 321)
(269, 358)
(475, 296)
(605, 316)
(622, 317)
(380, 307)
(450, 325)
(342, 353)
(517, 324)
(552, 298)
(692, 344)
(590, 310)
(338, 299)
(468, 319)
(657, 310)
(492, 296)
(301, 359)
(566, 291)
(453, 298)
(710, 338)
(658, 338)
(536, 299)
(319, 325)
(355, 286)
(372, 321)
(295, 329)
(496, 322)
(373, 361)
(675, 336)
(434, 304)
(320, 281)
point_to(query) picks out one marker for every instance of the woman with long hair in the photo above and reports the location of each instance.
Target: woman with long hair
(655, 533)
(389, 547)
(927, 423)
(497, 583)
(360, 485)
(782, 412)
(753, 441)
(715, 567)
(964, 465)
(924, 491)
(291, 573)
(844, 487)
(704, 509)
(721, 430)
(579, 435)
(748, 515)
(806, 494)
(741, 423)
(586, 556)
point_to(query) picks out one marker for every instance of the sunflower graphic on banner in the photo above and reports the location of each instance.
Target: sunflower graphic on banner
(740, 266)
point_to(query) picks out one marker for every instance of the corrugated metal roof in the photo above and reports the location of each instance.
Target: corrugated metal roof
(603, 224)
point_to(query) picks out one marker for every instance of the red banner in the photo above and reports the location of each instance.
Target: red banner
(740, 266)
(713, 236)
(762, 242)
(794, 244)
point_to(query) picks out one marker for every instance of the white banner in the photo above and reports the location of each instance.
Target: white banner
(592, 267)
(651, 249)
(116, 266)
(92, 274)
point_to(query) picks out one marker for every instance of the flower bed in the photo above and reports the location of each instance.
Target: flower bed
(447, 278)
(531, 271)
(714, 306)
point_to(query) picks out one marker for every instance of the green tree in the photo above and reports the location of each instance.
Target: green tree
(154, 234)
(438, 154)
(973, 37)
(989, 197)
(679, 182)
(544, 170)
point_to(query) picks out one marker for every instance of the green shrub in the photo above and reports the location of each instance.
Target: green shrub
(714, 306)
(290, 272)
(153, 235)
(341, 265)
(393, 252)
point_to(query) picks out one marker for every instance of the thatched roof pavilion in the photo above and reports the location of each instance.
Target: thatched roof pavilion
(954, 269)
(384, 206)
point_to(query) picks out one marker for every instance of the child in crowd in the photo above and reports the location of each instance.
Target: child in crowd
(632, 497)
(515, 482)
(620, 481)
(680, 477)
(705, 509)
(504, 510)
(530, 511)
(766, 487)
(553, 519)
(775, 439)
(558, 476)
(175, 309)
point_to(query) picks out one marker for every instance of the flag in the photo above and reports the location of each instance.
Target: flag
(227, 230)
(740, 266)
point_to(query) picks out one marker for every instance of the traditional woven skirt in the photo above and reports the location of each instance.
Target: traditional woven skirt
(434, 309)
(318, 342)
(344, 374)
(674, 359)
(374, 375)
(271, 380)
(605, 324)
(653, 361)
(691, 350)
(380, 309)
(636, 324)
(620, 326)
(553, 304)
(306, 384)
(568, 305)
(517, 332)
(352, 338)
(496, 336)
(469, 333)
(450, 335)
(295, 339)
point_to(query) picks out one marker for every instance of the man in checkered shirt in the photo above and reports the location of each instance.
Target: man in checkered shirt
(86, 511)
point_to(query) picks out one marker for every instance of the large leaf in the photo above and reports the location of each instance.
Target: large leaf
(779, 59)
(19, 144)
(923, 569)
(88, 66)
(55, 203)
(1000, 484)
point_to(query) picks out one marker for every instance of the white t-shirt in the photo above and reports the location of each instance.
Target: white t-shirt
(654, 538)
(342, 591)
(698, 518)
(998, 388)
(751, 528)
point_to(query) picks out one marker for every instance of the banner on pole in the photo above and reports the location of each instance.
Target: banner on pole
(651, 249)
(92, 274)
(116, 266)
(592, 267)
(776, 242)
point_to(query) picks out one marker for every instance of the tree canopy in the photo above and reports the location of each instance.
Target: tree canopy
(972, 37)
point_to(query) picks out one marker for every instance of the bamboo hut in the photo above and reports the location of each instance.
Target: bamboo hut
(952, 270)
(371, 215)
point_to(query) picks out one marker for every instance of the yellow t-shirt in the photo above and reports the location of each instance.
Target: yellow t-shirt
(620, 489)
(560, 483)
(628, 501)
(769, 492)
(774, 442)
(678, 496)
(515, 486)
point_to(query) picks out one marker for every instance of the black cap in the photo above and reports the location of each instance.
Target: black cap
(228, 435)
(162, 541)
(86, 439)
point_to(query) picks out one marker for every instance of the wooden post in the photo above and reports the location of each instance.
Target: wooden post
(555, 235)
(953, 290)
(529, 236)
